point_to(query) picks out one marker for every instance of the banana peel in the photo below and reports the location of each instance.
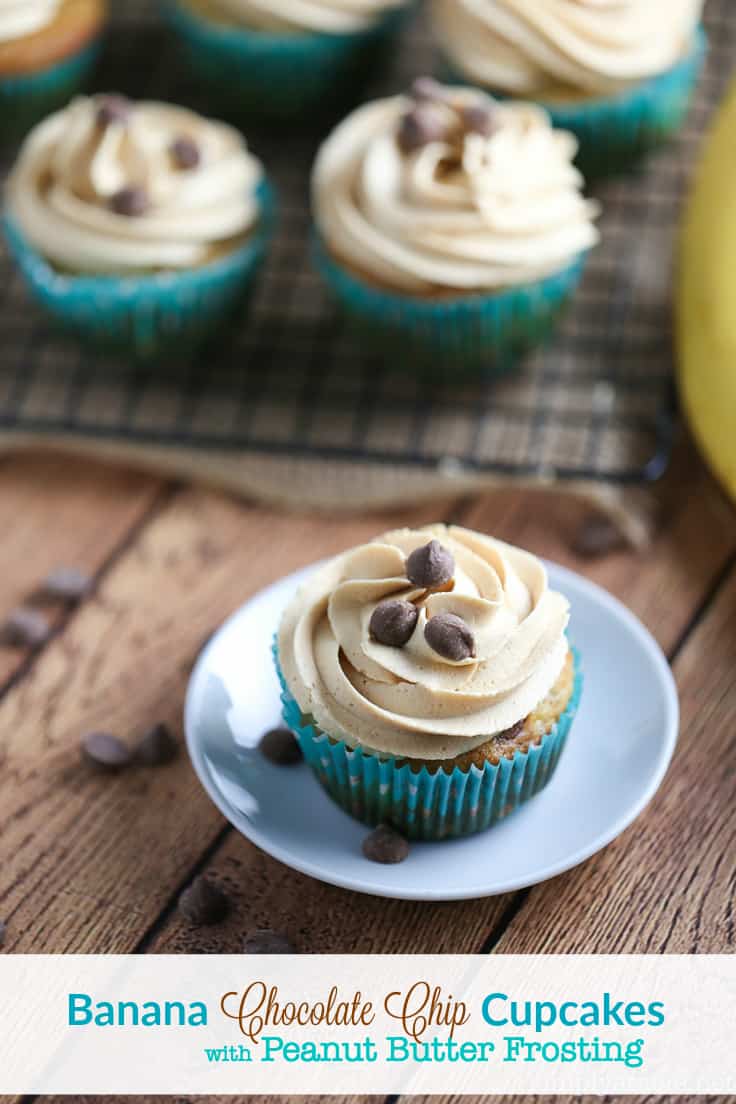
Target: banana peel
(706, 300)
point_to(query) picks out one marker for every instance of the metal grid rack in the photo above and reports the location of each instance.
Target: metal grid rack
(291, 379)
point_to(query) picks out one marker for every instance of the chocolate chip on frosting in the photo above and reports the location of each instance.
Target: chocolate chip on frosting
(480, 118)
(393, 621)
(427, 88)
(430, 566)
(130, 202)
(185, 153)
(424, 123)
(449, 636)
(113, 109)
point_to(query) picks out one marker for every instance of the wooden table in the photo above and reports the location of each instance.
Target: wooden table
(95, 864)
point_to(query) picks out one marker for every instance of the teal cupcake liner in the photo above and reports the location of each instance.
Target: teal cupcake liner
(421, 805)
(278, 75)
(152, 314)
(27, 98)
(614, 132)
(476, 334)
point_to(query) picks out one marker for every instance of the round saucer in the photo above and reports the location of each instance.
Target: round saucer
(616, 756)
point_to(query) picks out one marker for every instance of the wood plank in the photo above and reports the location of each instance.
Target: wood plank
(90, 861)
(61, 512)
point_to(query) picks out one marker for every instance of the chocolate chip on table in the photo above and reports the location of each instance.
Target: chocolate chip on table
(185, 153)
(480, 118)
(203, 902)
(597, 536)
(25, 628)
(105, 751)
(279, 746)
(64, 584)
(157, 747)
(130, 202)
(385, 845)
(430, 566)
(449, 636)
(113, 109)
(424, 123)
(393, 621)
(267, 941)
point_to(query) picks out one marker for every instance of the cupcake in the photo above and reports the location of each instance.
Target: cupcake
(429, 680)
(138, 225)
(451, 226)
(47, 48)
(618, 73)
(283, 58)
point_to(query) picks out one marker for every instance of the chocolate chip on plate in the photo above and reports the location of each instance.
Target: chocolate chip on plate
(106, 751)
(113, 109)
(597, 536)
(267, 941)
(385, 845)
(279, 745)
(131, 202)
(480, 118)
(449, 636)
(185, 153)
(64, 584)
(25, 628)
(424, 123)
(393, 621)
(157, 747)
(203, 902)
(430, 566)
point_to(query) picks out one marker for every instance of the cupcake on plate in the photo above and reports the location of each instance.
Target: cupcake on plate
(284, 58)
(47, 48)
(451, 225)
(140, 225)
(618, 73)
(429, 680)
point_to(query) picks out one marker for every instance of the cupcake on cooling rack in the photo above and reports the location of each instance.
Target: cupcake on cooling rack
(141, 225)
(283, 58)
(429, 679)
(618, 73)
(47, 48)
(451, 225)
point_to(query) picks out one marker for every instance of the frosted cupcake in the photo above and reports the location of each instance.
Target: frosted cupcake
(283, 58)
(452, 226)
(47, 48)
(429, 679)
(618, 73)
(139, 225)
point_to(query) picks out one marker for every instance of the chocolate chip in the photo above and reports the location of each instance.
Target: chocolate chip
(480, 118)
(427, 88)
(3, 931)
(597, 536)
(392, 622)
(424, 123)
(449, 636)
(106, 751)
(279, 745)
(203, 902)
(113, 109)
(185, 153)
(157, 747)
(267, 941)
(64, 584)
(430, 566)
(385, 845)
(131, 202)
(25, 628)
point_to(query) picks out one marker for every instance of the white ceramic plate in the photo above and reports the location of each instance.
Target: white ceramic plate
(616, 756)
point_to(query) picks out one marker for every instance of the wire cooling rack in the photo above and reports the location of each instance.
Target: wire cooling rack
(291, 379)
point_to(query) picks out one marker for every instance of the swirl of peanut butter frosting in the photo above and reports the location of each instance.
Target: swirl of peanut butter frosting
(446, 190)
(294, 16)
(564, 47)
(107, 185)
(411, 701)
(19, 18)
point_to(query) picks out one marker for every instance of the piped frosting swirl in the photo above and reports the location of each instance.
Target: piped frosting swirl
(111, 186)
(411, 700)
(564, 47)
(294, 16)
(19, 18)
(471, 196)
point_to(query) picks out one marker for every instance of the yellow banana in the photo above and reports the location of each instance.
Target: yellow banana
(706, 300)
